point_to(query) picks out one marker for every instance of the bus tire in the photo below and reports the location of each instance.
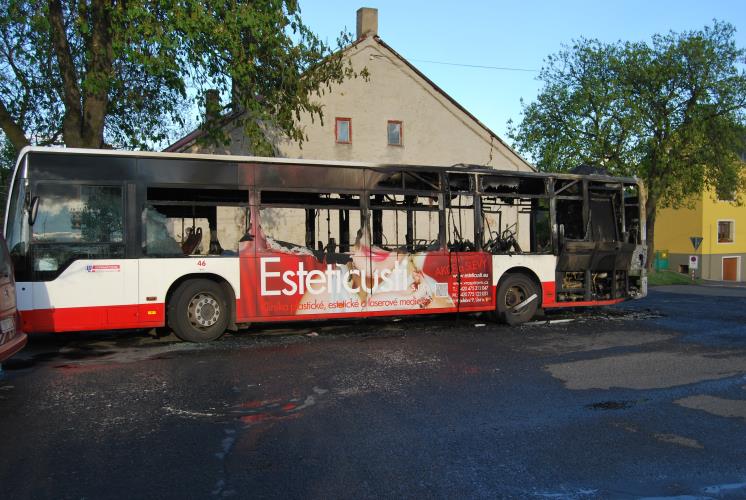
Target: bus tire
(198, 311)
(514, 289)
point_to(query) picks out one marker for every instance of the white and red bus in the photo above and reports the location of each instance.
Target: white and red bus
(202, 243)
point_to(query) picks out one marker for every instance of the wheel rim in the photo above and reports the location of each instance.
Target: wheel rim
(203, 311)
(514, 296)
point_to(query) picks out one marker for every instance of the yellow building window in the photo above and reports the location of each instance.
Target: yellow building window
(725, 231)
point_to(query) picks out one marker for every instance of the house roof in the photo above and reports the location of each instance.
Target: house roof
(196, 134)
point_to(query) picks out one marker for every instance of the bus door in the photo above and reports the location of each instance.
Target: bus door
(471, 267)
(81, 279)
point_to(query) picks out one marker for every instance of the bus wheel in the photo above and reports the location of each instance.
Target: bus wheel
(198, 311)
(513, 294)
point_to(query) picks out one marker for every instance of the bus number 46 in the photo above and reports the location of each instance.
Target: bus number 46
(202, 263)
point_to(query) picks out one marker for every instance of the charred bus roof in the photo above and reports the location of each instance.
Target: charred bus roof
(193, 162)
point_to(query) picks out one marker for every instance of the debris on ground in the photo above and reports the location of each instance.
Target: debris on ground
(609, 314)
(480, 324)
(312, 334)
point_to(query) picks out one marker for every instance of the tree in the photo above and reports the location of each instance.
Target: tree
(97, 73)
(671, 112)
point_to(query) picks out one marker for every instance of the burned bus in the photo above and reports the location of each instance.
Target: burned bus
(106, 240)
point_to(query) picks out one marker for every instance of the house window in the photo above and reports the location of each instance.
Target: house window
(343, 130)
(394, 132)
(725, 231)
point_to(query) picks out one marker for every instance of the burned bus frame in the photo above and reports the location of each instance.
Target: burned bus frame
(591, 226)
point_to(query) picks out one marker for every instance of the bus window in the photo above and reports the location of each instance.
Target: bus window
(541, 231)
(411, 181)
(405, 223)
(208, 222)
(70, 213)
(460, 223)
(631, 214)
(570, 216)
(73, 222)
(284, 228)
(159, 234)
(522, 226)
(305, 223)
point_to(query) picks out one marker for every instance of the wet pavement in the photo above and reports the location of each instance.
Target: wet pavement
(647, 399)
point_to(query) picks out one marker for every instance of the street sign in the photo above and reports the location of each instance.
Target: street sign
(696, 241)
(693, 261)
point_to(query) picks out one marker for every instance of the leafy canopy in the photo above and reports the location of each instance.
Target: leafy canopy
(95, 73)
(671, 112)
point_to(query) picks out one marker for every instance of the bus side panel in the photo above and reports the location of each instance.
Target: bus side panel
(88, 295)
(157, 275)
(543, 266)
(470, 281)
(298, 286)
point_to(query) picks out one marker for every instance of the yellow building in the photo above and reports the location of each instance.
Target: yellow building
(722, 227)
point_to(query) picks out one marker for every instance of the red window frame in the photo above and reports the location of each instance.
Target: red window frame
(336, 130)
(401, 132)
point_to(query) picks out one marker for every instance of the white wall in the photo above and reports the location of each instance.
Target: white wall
(435, 131)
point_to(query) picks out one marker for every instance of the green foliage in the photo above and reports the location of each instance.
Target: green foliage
(670, 112)
(92, 73)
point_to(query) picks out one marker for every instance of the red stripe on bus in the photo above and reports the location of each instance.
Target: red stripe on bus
(71, 319)
(154, 315)
(549, 289)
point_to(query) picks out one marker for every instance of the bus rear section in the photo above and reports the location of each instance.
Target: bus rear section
(578, 241)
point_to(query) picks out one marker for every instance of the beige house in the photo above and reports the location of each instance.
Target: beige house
(397, 116)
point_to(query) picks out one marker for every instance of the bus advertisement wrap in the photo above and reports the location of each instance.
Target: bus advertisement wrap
(368, 279)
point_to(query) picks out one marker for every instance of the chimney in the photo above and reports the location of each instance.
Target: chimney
(367, 22)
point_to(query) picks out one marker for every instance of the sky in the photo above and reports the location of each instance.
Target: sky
(510, 34)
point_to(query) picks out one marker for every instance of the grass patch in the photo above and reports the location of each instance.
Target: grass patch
(658, 278)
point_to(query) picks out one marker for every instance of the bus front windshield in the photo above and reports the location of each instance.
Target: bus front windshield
(17, 229)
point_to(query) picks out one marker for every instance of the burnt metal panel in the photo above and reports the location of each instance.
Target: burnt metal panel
(132, 221)
(56, 166)
(187, 171)
(595, 256)
(246, 174)
(308, 177)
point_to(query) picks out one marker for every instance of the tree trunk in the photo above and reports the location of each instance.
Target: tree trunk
(650, 212)
(13, 131)
(85, 112)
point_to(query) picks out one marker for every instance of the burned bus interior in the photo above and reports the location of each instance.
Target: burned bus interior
(591, 223)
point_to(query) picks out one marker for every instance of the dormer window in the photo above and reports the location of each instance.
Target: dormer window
(343, 130)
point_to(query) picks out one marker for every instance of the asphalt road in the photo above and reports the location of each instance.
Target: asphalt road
(643, 400)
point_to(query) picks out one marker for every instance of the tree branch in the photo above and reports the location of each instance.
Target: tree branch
(98, 74)
(12, 130)
(71, 89)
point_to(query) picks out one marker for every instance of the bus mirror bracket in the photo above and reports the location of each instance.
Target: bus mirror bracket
(33, 210)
